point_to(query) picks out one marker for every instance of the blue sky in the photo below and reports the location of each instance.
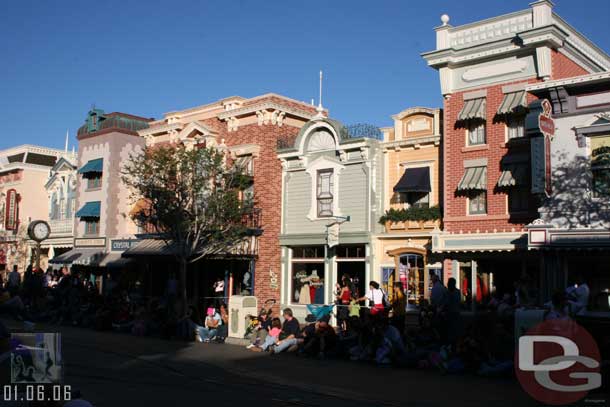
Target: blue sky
(146, 58)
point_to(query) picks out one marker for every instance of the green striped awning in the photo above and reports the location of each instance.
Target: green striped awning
(96, 165)
(475, 178)
(89, 210)
(513, 176)
(473, 109)
(512, 102)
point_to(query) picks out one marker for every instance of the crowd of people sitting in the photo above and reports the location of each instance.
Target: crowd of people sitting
(63, 297)
(369, 328)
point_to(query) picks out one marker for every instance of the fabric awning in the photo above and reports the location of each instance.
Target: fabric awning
(475, 178)
(89, 210)
(96, 165)
(473, 109)
(150, 247)
(414, 180)
(80, 256)
(513, 102)
(513, 175)
(115, 260)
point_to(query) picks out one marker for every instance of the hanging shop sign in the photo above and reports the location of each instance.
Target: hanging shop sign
(540, 128)
(11, 221)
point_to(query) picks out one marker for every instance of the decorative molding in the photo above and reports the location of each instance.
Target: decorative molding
(266, 105)
(411, 142)
(494, 70)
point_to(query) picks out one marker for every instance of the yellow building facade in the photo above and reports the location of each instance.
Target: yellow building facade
(412, 201)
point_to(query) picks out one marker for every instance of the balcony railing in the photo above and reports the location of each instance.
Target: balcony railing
(252, 219)
(62, 226)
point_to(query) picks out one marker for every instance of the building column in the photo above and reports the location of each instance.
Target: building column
(473, 285)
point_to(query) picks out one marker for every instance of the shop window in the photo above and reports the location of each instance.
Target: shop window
(307, 275)
(92, 227)
(411, 276)
(477, 203)
(325, 193)
(351, 252)
(518, 199)
(94, 181)
(308, 252)
(387, 274)
(476, 133)
(515, 127)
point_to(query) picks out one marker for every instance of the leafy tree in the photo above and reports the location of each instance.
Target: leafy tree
(192, 200)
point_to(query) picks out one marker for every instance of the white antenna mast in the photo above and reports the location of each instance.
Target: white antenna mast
(320, 109)
(66, 145)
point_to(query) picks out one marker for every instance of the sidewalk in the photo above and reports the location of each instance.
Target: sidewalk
(337, 378)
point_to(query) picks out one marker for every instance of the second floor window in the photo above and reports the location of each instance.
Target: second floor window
(416, 199)
(92, 227)
(476, 133)
(94, 181)
(324, 195)
(518, 200)
(477, 203)
(515, 127)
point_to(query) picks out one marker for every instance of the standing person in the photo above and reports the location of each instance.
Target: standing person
(451, 311)
(343, 299)
(438, 292)
(14, 279)
(375, 298)
(399, 307)
(579, 297)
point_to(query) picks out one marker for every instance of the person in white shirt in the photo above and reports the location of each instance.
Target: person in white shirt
(375, 298)
(212, 322)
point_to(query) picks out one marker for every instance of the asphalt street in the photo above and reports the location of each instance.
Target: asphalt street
(113, 369)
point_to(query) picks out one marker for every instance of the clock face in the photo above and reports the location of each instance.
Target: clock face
(40, 231)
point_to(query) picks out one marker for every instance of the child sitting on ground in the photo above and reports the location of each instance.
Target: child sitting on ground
(273, 336)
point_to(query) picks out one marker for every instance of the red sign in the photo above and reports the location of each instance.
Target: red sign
(12, 210)
(547, 128)
(545, 123)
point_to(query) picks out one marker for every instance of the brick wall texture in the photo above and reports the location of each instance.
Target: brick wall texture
(455, 153)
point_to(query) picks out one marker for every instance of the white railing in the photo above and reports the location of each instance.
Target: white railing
(487, 31)
(62, 226)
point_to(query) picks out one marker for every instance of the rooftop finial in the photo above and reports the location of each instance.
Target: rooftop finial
(66, 144)
(445, 19)
(320, 109)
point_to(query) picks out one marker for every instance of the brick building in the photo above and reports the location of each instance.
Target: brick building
(250, 130)
(484, 68)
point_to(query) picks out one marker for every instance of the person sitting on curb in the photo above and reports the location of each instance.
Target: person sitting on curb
(320, 339)
(212, 322)
(261, 330)
(291, 332)
(272, 338)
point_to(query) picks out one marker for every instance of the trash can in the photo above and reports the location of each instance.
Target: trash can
(240, 306)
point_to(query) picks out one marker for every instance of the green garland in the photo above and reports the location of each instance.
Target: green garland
(413, 214)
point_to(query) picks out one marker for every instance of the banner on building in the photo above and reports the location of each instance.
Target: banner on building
(332, 235)
(11, 221)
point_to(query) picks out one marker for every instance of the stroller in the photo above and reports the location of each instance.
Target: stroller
(317, 312)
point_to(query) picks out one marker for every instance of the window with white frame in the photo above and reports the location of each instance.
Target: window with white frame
(477, 203)
(324, 195)
(92, 227)
(476, 133)
(515, 127)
